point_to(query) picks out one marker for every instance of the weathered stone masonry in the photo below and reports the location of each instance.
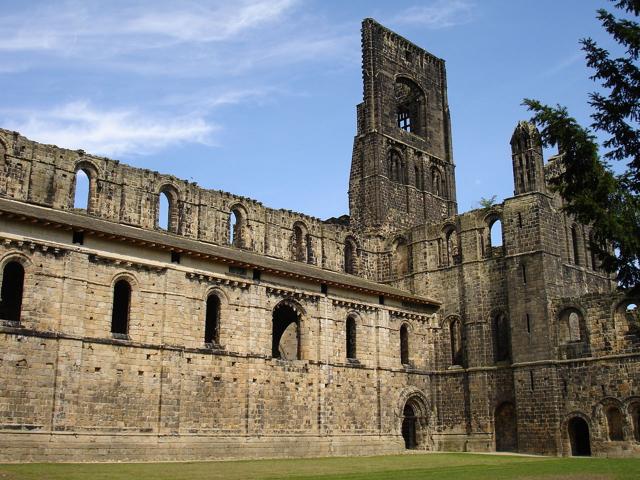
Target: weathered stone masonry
(228, 329)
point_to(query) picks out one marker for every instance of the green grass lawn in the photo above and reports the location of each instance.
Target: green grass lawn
(401, 467)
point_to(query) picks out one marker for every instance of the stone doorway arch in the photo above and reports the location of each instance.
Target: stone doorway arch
(414, 421)
(578, 430)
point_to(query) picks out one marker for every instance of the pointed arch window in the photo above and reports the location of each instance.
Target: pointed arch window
(167, 207)
(350, 256)
(455, 332)
(237, 226)
(410, 106)
(12, 291)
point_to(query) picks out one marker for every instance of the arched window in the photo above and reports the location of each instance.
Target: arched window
(455, 333)
(496, 233)
(121, 305)
(614, 424)
(164, 215)
(404, 344)
(436, 182)
(451, 246)
(212, 320)
(401, 258)
(410, 107)
(579, 437)
(418, 176)
(237, 226)
(395, 166)
(285, 335)
(351, 337)
(301, 243)
(81, 197)
(350, 256)
(575, 244)
(502, 334)
(11, 293)
(571, 325)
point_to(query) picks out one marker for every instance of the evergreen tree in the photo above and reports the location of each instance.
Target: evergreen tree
(593, 193)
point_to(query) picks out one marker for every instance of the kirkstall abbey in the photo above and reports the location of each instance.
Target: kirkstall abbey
(227, 329)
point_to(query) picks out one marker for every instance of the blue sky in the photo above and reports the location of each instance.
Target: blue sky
(257, 97)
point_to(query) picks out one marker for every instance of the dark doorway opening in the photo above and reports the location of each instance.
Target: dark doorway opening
(506, 429)
(409, 427)
(11, 293)
(579, 437)
(285, 339)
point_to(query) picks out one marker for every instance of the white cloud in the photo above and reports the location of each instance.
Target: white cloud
(437, 14)
(108, 132)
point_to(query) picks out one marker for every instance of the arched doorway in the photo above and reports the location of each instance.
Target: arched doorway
(414, 416)
(506, 428)
(579, 437)
(409, 427)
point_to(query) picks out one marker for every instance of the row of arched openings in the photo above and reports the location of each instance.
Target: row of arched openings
(398, 171)
(302, 243)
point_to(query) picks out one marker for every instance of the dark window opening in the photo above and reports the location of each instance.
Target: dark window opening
(528, 324)
(351, 338)
(614, 424)
(523, 269)
(404, 345)
(396, 167)
(324, 289)
(256, 274)
(11, 293)
(404, 121)
(120, 311)
(455, 332)
(519, 220)
(579, 437)
(212, 320)
(240, 271)
(175, 257)
(531, 381)
(635, 421)
(285, 339)
(502, 337)
(381, 299)
(506, 430)
(78, 238)
(410, 107)
(349, 256)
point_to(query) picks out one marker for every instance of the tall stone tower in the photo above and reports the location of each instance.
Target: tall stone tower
(402, 171)
(526, 155)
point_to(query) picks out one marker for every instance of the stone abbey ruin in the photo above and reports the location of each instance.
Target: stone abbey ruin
(232, 330)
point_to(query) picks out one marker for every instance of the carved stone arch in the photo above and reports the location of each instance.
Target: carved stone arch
(14, 268)
(353, 324)
(396, 165)
(216, 302)
(413, 414)
(576, 441)
(300, 238)
(410, 105)
(351, 257)
(92, 172)
(490, 220)
(571, 321)
(632, 411)
(450, 254)
(612, 419)
(626, 321)
(455, 329)
(173, 195)
(123, 291)
(286, 336)
(401, 261)
(238, 229)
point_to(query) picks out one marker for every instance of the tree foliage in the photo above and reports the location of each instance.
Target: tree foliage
(593, 192)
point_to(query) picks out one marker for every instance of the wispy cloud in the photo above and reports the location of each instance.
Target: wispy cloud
(562, 65)
(437, 14)
(108, 132)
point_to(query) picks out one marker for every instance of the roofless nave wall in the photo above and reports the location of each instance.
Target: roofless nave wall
(228, 329)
